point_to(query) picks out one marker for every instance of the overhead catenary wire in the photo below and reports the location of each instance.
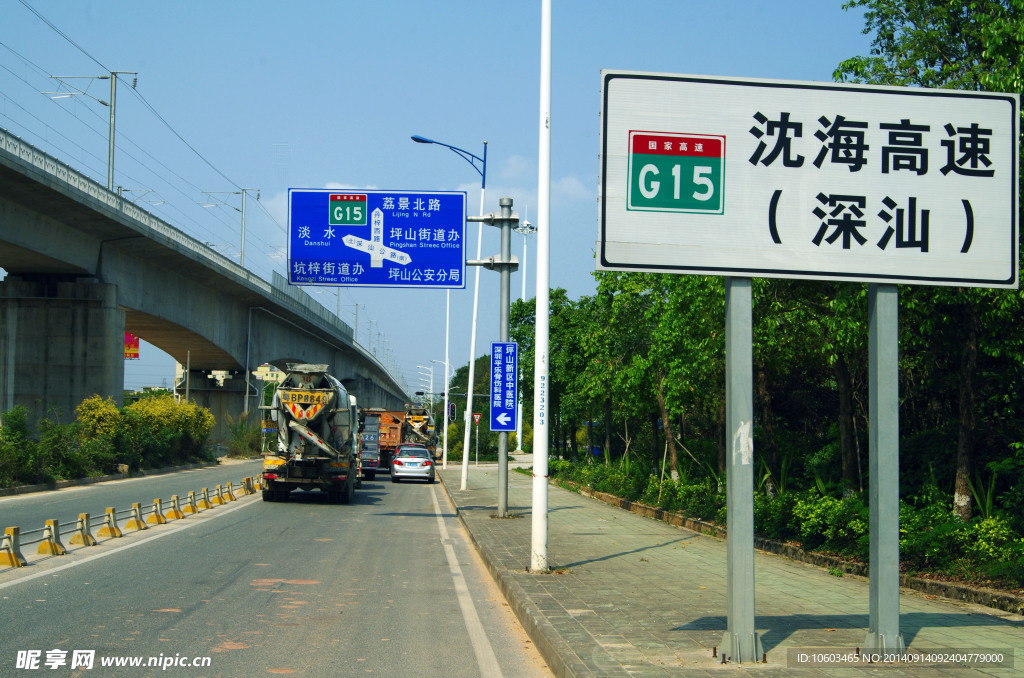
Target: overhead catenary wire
(143, 178)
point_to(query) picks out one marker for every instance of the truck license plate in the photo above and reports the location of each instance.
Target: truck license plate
(306, 397)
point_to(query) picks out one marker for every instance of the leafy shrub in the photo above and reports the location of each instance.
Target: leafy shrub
(929, 535)
(837, 525)
(651, 494)
(244, 439)
(773, 515)
(98, 418)
(986, 539)
(61, 445)
(17, 452)
(698, 500)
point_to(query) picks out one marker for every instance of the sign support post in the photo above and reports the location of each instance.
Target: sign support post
(884, 468)
(859, 183)
(741, 643)
(505, 263)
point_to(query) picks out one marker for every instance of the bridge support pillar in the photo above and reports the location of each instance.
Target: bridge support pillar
(60, 342)
(224, 397)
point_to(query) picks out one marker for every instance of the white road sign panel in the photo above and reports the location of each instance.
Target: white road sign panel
(767, 178)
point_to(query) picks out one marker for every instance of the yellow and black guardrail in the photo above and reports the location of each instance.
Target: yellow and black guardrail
(139, 517)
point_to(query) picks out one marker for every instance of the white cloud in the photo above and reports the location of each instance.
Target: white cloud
(570, 189)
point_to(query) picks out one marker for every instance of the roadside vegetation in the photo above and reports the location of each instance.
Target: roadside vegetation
(152, 432)
(637, 371)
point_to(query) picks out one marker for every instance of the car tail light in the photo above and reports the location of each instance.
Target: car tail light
(397, 462)
(269, 476)
(428, 463)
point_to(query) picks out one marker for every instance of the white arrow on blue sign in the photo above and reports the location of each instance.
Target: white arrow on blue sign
(504, 385)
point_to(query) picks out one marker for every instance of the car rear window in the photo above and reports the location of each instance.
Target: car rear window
(412, 452)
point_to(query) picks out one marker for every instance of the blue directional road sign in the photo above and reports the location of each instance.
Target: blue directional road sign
(359, 238)
(504, 385)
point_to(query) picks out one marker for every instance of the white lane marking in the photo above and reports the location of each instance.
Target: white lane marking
(175, 527)
(485, 658)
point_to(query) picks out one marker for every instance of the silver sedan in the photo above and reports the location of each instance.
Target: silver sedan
(412, 462)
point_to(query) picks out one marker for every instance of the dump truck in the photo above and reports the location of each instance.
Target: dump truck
(390, 433)
(317, 447)
(369, 443)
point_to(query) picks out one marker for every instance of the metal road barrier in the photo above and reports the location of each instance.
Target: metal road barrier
(49, 537)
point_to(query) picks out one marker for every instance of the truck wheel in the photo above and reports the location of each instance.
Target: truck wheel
(349, 493)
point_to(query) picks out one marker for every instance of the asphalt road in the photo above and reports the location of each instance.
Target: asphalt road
(387, 585)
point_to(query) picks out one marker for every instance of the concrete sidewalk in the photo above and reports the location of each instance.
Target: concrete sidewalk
(632, 596)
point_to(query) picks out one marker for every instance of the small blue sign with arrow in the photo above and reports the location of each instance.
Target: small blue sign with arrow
(504, 385)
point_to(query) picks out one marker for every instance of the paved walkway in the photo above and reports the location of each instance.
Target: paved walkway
(632, 596)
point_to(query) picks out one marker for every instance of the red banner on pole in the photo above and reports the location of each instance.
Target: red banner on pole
(131, 346)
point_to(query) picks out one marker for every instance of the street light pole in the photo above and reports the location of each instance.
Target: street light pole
(525, 228)
(472, 160)
(541, 416)
(444, 412)
(431, 368)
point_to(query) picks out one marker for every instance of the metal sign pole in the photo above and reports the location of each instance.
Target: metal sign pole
(503, 322)
(741, 643)
(505, 263)
(884, 468)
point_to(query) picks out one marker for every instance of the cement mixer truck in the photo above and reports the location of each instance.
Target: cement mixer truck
(419, 428)
(316, 442)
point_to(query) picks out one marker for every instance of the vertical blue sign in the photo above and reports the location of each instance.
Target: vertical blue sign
(363, 238)
(504, 385)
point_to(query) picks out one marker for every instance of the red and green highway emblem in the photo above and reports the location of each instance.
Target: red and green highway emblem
(347, 209)
(673, 172)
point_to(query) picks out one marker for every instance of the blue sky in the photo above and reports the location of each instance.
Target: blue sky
(319, 94)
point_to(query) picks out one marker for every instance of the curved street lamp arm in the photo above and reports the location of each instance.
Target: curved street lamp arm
(462, 153)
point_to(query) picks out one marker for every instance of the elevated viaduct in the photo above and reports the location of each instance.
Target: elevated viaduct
(85, 265)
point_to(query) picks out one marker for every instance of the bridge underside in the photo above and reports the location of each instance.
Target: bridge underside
(185, 346)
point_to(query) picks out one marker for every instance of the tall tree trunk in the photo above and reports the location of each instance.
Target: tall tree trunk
(666, 422)
(962, 504)
(767, 418)
(572, 441)
(846, 442)
(655, 448)
(608, 428)
(590, 439)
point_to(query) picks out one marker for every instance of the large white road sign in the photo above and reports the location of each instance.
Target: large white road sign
(763, 178)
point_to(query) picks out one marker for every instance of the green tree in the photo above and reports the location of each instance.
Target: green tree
(973, 45)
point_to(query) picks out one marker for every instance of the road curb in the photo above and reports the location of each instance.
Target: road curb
(552, 647)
